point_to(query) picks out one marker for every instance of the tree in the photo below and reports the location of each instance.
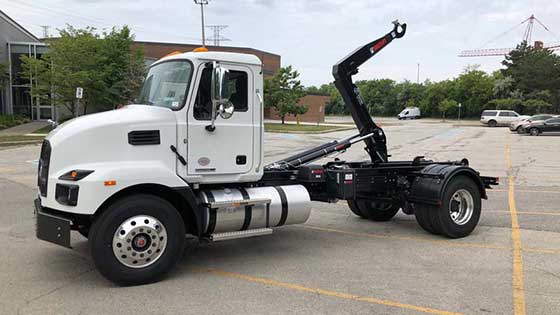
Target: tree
(473, 89)
(105, 66)
(533, 70)
(536, 106)
(283, 91)
(446, 106)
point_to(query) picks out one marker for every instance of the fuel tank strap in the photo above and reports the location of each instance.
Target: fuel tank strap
(284, 201)
(212, 218)
(248, 210)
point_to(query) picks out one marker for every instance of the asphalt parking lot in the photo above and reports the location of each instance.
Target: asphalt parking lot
(336, 263)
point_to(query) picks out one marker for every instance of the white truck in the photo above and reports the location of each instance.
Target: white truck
(188, 159)
(409, 113)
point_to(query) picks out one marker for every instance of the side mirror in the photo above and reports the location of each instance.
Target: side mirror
(220, 94)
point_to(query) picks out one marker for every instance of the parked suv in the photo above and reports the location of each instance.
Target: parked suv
(494, 118)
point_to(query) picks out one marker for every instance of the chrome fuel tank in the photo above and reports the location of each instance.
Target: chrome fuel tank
(253, 208)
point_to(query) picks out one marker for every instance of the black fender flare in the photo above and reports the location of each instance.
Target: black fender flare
(428, 186)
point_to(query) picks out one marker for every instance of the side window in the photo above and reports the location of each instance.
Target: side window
(238, 90)
(488, 113)
(504, 114)
(202, 109)
(238, 93)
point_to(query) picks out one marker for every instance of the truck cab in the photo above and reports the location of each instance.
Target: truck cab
(218, 148)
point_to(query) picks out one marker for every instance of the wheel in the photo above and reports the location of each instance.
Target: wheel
(137, 240)
(492, 123)
(520, 131)
(534, 131)
(377, 211)
(354, 208)
(460, 210)
(422, 215)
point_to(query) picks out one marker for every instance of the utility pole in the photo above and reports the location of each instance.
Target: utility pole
(418, 74)
(202, 3)
(217, 37)
(45, 30)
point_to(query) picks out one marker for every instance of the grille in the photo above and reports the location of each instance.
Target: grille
(43, 169)
(144, 137)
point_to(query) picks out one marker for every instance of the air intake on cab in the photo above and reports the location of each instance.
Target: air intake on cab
(144, 137)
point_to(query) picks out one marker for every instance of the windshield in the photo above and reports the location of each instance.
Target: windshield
(166, 84)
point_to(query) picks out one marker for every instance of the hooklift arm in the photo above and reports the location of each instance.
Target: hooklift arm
(343, 71)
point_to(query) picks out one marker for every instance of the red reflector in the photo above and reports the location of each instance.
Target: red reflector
(317, 171)
(340, 147)
(497, 180)
(379, 45)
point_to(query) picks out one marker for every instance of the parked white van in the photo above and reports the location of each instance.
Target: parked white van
(409, 113)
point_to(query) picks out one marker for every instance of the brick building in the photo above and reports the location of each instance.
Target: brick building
(155, 50)
(316, 109)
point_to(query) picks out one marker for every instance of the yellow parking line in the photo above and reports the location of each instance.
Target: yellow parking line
(340, 295)
(525, 191)
(517, 263)
(526, 212)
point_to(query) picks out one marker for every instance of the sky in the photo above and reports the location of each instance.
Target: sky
(312, 35)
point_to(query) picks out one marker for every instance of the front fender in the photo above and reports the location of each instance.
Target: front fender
(92, 189)
(429, 185)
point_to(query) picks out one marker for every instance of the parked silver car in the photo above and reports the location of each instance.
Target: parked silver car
(519, 125)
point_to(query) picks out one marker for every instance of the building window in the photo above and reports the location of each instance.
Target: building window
(21, 101)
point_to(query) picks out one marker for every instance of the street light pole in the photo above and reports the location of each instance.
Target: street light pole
(459, 117)
(202, 4)
(418, 74)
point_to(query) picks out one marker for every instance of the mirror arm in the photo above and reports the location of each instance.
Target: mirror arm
(212, 126)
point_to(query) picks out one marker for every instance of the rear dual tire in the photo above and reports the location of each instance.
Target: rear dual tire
(459, 213)
(373, 210)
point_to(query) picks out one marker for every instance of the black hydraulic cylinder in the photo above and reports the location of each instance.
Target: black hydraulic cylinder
(343, 71)
(315, 149)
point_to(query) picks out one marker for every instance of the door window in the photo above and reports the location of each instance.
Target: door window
(238, 93)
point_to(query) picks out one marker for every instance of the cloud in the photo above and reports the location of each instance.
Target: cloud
(314, 34)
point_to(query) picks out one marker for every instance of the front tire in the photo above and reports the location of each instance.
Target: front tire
(137, 240)
(492, 123)
(534, 131)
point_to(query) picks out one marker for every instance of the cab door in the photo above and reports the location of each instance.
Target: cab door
(228, 149)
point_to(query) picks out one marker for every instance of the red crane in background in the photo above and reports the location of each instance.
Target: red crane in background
(527, 34)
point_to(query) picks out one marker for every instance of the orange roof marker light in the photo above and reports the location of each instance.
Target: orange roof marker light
(173, 53)
(200, 49)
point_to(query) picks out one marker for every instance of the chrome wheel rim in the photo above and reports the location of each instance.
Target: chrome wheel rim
(139, 241)
(461, 207)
